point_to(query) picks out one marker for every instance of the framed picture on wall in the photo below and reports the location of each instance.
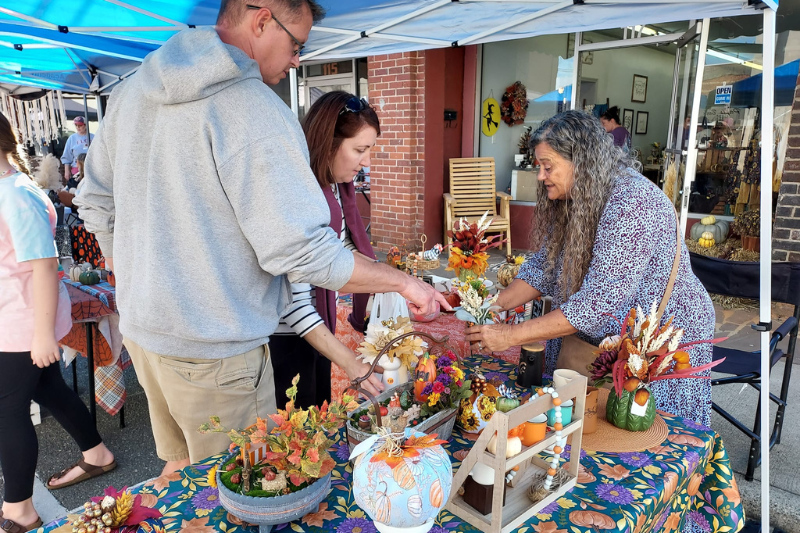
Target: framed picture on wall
(639, 89)
(641, 122)
(627, 119)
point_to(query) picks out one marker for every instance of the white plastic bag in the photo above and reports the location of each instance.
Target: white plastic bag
(387, 306)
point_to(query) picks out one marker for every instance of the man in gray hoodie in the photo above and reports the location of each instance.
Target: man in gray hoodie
(199, 191)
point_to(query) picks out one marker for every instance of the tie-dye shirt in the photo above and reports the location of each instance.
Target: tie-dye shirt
(27, 229)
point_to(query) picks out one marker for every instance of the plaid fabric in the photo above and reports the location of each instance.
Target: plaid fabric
(102, 291)
(110, 392)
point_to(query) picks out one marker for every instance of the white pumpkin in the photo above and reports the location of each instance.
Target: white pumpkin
(513, 446)
(75, 273)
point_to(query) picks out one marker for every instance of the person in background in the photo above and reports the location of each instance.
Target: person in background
(77, 143)
(341, 130)
(612, 125)
(35, 312)
(203, 267)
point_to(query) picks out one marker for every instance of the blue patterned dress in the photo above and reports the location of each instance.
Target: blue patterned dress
(632, 259)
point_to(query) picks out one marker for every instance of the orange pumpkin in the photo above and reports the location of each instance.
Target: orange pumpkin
(424, 373)
(112, 280)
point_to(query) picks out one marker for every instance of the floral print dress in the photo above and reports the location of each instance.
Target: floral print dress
(632, 259)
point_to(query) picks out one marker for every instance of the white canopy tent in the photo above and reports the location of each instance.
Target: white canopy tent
(105, 30)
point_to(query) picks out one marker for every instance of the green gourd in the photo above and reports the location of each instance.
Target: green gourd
(717, 228)
(507, 404)
(90, 278)
(618, 412)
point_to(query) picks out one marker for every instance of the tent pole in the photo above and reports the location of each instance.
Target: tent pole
(98, 102)
(293, 92)
(86, 116)
(576, 70)
(691, 159)
(765, 306)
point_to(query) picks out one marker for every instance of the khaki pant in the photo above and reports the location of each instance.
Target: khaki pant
(182, 393)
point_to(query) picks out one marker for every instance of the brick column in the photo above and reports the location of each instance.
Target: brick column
(786, 232)
(397, 90)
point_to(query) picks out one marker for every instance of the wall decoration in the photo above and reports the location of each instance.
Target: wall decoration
(514, 105)
(490, 116)
(639, 89)
(627, 119)
(641, 122)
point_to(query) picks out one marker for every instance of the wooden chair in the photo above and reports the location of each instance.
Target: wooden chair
(473, 193)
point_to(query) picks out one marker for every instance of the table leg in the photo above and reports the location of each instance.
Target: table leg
(90, 361)
(75, 374)
(122, 417)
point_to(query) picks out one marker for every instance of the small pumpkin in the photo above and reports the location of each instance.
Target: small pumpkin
(507, 404)
(112, 279)
(717, 228)
(424, 373)
(619, 411)
(89, 278)
(508, 271)
(75, 272)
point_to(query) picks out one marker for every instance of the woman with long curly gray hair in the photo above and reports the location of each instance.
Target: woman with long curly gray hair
(605, 240)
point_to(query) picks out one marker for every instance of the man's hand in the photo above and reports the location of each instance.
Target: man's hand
(44, 351)
(422, 297)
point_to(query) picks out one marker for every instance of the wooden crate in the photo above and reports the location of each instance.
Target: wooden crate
(518, 507)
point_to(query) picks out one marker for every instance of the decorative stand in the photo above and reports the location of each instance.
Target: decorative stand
(508, 515)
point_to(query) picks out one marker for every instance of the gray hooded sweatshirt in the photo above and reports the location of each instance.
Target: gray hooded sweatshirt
(198, 186)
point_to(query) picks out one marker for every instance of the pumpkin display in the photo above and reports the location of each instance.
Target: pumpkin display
(710, 224)
(89, 278)
(424, 373)
(706, 240)
(625, 413)
(75, 273)
(509, 270)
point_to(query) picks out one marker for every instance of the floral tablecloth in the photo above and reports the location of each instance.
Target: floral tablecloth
(687, 478)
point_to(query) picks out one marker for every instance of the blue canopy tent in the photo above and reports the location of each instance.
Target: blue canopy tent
(89, 45)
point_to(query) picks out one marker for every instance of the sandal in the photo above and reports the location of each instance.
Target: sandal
(89, 471)
(9, 526)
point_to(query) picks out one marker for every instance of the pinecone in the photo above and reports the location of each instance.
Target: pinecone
(123, 509)
(603, 365)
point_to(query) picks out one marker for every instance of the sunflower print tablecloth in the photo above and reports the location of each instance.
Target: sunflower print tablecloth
(686, 479)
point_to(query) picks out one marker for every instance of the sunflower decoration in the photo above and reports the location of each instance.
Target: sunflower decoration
(378, 336)
(514, 105)
(469, 250)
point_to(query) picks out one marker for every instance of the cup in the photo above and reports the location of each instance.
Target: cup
(562, 376)
(566, 414)
(534, 430)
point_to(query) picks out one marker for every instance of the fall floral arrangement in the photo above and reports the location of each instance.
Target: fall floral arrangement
(641, 354)
(514, 104)
(118, 511)
(296, 449)
(468, 252)
(448, 388)
(379, 335)
(476, 303)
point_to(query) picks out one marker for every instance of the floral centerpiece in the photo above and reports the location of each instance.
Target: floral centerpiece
(641, 354)
(468, 251)
(447, 389)
(117, 511)
(291, 474)
(401, 357)
(477, 306)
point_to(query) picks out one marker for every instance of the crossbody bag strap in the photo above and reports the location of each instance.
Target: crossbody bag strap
(674, 274)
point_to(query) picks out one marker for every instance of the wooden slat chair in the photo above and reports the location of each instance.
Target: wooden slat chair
(473, 193)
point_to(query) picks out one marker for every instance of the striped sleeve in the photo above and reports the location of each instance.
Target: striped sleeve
(301, 315)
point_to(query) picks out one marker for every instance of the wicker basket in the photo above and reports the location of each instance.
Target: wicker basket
(413, 257)
(441, 423)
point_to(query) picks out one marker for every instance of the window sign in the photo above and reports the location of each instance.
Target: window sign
(723, 94)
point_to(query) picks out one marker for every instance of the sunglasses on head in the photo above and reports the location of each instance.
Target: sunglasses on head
(354, 105)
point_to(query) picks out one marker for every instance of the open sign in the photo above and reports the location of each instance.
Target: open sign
(723, 95)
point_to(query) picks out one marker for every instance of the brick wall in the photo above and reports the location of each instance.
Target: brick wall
(786, 232)
(397, 90)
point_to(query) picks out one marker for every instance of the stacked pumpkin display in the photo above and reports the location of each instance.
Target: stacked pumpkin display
(709, 231)
(84, 274)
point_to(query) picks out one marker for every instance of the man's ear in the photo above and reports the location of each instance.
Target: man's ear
(260, 21)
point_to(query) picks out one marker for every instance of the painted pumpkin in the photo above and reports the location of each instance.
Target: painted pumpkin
(717, 228)
(424, 373)
(406, 494)
(625, 413)
(507, 404)
(89, 278)
(75, 273)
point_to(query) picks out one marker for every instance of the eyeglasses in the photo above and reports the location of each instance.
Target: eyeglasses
(354, 105)
(300, 46)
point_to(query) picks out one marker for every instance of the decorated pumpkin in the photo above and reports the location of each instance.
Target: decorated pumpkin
(75, 273)
(424, 373)
(706, 240)
(509, 270)
(402, 492)
(634, 411)
(505, 404)
(710, 224)
(89, 278)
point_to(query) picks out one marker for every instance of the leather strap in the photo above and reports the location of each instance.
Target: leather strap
(674, 274)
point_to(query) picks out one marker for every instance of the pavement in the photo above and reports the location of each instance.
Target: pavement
(135, 449)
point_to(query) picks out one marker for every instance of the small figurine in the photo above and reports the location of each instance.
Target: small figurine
(395, 401)
(393, 257)
(433, 253)
(364, 422)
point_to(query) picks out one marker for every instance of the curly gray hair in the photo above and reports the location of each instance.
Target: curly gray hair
(569, 227)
